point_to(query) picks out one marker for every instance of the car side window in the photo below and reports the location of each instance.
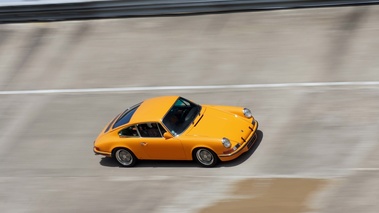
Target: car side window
(129, 132)
(161, 129)
(150, 130)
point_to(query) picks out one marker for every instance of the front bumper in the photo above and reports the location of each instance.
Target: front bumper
(242, 149)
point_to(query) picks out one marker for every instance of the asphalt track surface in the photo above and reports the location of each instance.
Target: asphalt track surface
(326, 132)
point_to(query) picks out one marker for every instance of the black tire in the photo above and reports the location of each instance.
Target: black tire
(205, 157)
(124, 157)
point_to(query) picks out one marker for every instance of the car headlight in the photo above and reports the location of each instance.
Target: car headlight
(247, 113)
(226, 143)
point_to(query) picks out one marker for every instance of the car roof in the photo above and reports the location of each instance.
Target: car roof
(153, 109)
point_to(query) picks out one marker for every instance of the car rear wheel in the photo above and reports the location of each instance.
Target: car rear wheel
(205, 157)
(125, 157)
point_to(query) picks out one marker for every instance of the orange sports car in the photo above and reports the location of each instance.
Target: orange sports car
(174, 128)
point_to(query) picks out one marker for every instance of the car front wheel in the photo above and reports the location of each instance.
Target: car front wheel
(205, 157)
(125, 157)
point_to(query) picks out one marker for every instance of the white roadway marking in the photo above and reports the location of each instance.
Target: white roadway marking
(210, 87)
(365, 169)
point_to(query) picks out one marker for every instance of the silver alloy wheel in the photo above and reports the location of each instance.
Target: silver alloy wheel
(124, 157)
(205, 157)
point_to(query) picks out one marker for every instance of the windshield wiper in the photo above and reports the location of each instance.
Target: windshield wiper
(199, 119)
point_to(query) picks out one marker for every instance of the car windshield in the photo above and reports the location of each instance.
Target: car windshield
(181, 115)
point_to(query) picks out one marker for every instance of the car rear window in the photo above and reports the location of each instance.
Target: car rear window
(126, 116)
(110, 124)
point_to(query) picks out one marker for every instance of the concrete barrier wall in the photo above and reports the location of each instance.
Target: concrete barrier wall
(76, 10)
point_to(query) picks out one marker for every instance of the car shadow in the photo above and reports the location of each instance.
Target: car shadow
(109, 162)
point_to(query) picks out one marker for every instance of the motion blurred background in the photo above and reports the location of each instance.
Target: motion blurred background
(309, 75)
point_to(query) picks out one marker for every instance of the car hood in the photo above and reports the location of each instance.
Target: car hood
(217, 123)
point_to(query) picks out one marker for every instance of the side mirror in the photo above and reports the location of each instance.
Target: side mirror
(167, 135)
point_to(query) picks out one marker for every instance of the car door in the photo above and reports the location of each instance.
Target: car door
(156, 146)
(131, 139)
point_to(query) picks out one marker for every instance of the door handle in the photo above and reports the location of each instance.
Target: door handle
(143, 143)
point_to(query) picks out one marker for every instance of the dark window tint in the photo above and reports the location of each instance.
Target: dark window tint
(161, 129)
(149, 130)
(110, 124)
(129, 132)
(125, 117)
(181, 115)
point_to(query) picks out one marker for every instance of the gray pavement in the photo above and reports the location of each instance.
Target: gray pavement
(323, 132)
